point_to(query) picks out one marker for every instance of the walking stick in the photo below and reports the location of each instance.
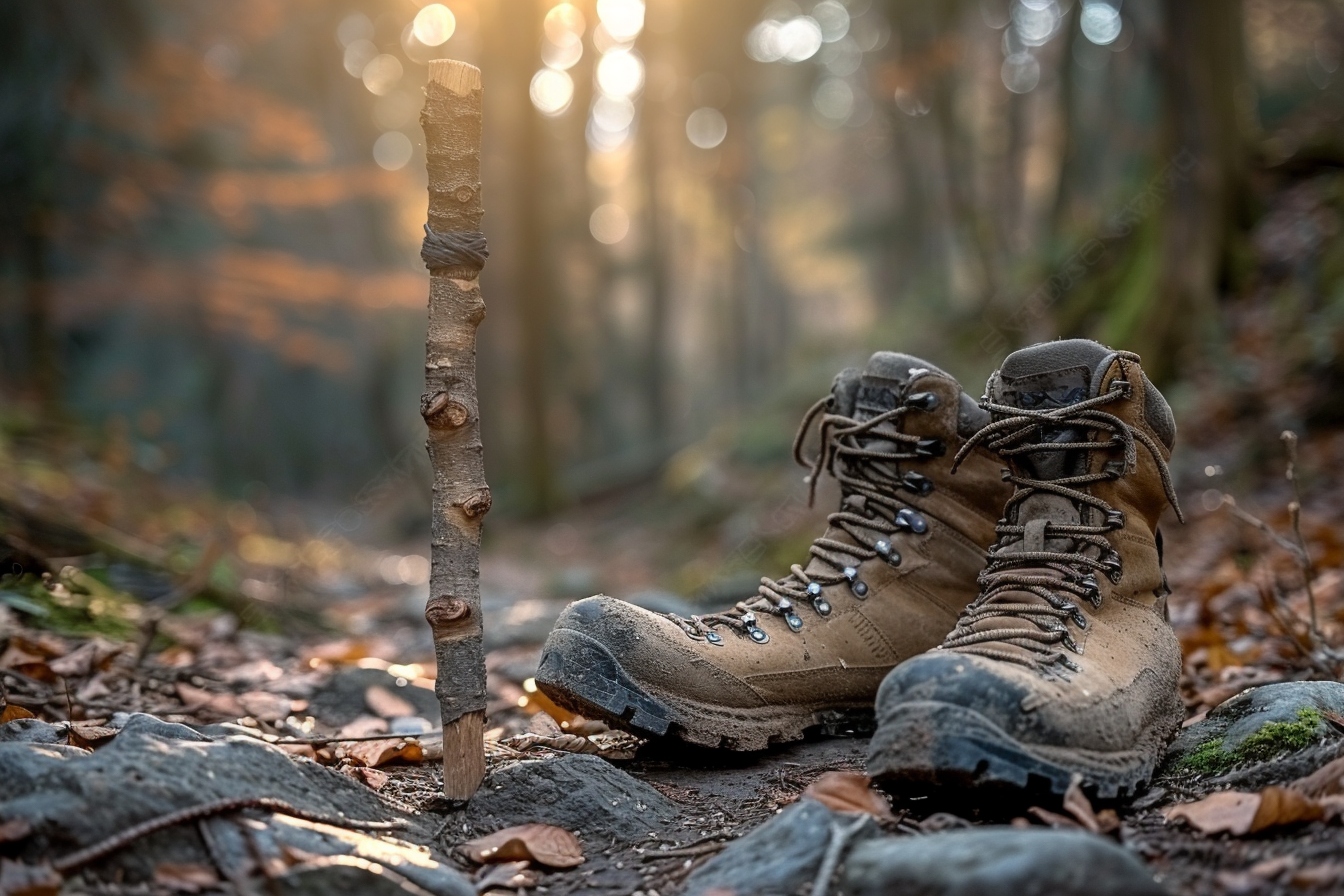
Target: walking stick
(454, 251)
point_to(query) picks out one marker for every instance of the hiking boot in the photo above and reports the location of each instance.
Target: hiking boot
(895, 566)
(1064, 664)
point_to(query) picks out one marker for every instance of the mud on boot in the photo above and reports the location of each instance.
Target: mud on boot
(886, 581)
(1064, 664)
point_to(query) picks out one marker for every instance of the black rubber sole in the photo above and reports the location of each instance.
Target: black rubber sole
(925, 747)
(581, 675)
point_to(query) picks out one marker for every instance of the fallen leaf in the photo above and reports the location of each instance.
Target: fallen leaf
(543, 724)
(544, 844)
(94, 689)
(849, 792)
(1246, 813)
(375, 779)
(12, 712)
(86, 734)
(1328, 780)
(18, 879)
(387, 704)
(265, 706)
(87, 658)
(195, 699)
(363, 726)
(1079, 806)
(373, 753)
(14, 829)
(184, 878)
(1109, 821)
(304, 750)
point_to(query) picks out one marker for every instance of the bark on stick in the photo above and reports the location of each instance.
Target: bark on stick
(454, 253)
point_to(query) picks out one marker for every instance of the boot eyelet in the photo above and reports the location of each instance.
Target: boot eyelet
(758, 635)
(860, 589)
(784, 604)
(925, 401)
(930, 448)
(1115, 519)
(909, 519)
(917, 483)
(794, 621)
(714, 638)
(850, 573)
(822, 606)
(813, 590)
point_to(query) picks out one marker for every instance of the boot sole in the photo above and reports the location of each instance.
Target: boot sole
(939, 746)
(579, 674)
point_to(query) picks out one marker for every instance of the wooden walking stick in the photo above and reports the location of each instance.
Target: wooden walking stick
(454, 251)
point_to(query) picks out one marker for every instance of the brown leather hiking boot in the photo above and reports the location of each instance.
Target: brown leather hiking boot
(886, 581)
(1064, 664)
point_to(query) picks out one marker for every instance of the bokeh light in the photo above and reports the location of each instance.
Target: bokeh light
(706, 127)
(551, 91)
(392, 150)
(1021, 73)
(564, 25)
(1035, 23)
(833, 19)
(833, 99)
(613, 113)
(382, 73)
(623, 19)
(1100, 22)
(434, 24)
(353, 27)
(609, 224)
(357, 55)
(620, 73)
(561, 57)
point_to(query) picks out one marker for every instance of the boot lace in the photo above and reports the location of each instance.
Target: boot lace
(868, 477)
(1059, 578)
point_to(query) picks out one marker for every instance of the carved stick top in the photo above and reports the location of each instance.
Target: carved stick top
(459, 77)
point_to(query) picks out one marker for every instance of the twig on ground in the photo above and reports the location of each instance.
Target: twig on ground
(840, 837)
(218, 807)
(1289, 439)
(686, 852)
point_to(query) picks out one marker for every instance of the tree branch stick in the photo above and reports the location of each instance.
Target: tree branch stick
(452, 123)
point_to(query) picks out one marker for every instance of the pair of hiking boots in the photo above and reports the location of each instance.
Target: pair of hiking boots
(992, 576)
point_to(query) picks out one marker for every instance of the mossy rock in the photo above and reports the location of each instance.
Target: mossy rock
(1257, 726)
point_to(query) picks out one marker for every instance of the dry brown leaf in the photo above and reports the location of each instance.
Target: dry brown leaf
(18, 879)
(12, 712)
(86, 734)
(1053, 819)
(265, 706)
(194, 699)
(1109, 820)
(1079, 806)
(304, 750)
(375, 779)
(1246, 813)
(373, 753)
(544, 844)
(87, 658)
(363, 726)
(184, 878)
(1328, 780)
(14, 829)
(386, 704)
(510, 876)
(849, 792)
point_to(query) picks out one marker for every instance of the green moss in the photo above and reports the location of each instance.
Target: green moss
(1271, 740)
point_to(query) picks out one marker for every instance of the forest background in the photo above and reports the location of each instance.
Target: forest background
(212, 308)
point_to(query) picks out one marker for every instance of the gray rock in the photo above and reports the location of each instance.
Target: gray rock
(582, 793)
(74, 798)
(995, 862)
(1257, 726)
(32, 731)
(778, 857)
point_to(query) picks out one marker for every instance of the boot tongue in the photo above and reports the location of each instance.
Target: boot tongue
(1044, 377)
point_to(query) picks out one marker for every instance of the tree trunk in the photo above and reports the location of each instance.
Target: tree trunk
(454, 252)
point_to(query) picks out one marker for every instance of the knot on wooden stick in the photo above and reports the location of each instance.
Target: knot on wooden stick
(445, 614)
(442, 411)
(478, 503)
